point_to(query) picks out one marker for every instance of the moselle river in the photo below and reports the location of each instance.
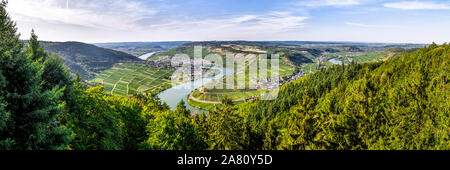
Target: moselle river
(175, 94)
(145, 56)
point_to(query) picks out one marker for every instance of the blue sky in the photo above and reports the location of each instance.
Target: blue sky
(400, 21)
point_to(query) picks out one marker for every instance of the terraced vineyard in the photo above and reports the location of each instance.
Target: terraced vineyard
(129, 79)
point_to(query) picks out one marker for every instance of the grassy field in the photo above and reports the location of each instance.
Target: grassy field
(204, 106)
(216, 95)
(129, 79)
(207, 106)
(286, 70)
(358, 57)
(369, 57)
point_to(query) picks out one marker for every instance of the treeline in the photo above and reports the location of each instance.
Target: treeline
(401, 103)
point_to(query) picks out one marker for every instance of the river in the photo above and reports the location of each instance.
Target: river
(145, 56)
(175, 94)
(334, 61)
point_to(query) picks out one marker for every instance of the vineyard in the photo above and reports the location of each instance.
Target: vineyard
(129, 79)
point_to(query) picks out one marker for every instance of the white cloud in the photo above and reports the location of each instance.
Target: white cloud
(94, 14)
(319, 3)
(234, 27)
(366, 25)
(137, 20)
(124, 20)
(416, 5)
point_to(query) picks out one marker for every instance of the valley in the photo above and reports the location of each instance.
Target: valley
(297, 59)
(80, 76)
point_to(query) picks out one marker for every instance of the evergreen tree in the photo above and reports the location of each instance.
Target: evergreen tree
(201, 126)
(226, 129)
(54, 72)
(191, 137)
(34, 50)
(173, 131)
(4, 117)
(94, 123)
(31, 113)
(56, 75)
(133, 124)
(182, 111)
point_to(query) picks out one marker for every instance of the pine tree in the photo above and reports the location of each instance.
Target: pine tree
(4, 117)
(94, 123)
(226, 129)
(34, 50)
(181, 110)
(132, 121)
(54, 73)
(173, 131)
(30, 112)
(191, 138)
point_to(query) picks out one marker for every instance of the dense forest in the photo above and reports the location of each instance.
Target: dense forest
(401, 103)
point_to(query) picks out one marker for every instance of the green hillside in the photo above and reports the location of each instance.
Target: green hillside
(398, 104)
(131, 79)
(87, 59)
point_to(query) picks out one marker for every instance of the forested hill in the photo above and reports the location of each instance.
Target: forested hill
(401, 103)
(87, 59)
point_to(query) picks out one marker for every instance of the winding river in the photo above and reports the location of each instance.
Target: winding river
(334, 61)
(175, 94)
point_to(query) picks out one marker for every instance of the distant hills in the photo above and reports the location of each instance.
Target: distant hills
(90, 59)
(87, 59)
(141, 48)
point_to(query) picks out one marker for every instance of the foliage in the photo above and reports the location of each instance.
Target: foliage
(398, 104)
(95, 125)
(28, 113)
(173, 131)
(226, 130)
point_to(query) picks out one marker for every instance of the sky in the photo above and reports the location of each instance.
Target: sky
(94, 21)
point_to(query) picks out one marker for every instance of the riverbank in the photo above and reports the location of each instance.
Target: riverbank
(175, 94)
